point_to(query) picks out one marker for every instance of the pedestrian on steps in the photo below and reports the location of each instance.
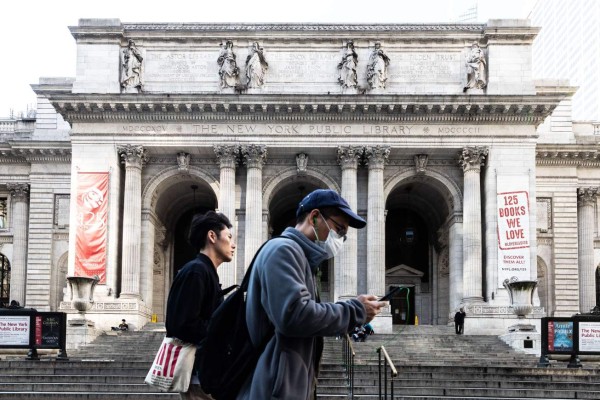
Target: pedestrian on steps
(459, 321)
(196, 291)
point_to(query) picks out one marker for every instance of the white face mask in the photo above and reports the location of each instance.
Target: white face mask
(332, 244)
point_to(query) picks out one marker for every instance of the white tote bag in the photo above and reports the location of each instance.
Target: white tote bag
(173, 365)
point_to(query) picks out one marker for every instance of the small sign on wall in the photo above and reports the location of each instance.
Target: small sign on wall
(589, 336)
(513, 228)
(14, 330)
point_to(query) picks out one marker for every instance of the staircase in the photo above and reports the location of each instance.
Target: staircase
(434, 363)
(112, 367)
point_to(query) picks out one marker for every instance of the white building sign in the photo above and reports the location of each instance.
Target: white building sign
(589, 336)
(14, 330)
(513, 228)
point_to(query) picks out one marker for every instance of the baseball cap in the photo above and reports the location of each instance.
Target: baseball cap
(321, 198)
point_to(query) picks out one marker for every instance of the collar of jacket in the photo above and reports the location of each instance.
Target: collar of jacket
(206, 260)
(314, 254)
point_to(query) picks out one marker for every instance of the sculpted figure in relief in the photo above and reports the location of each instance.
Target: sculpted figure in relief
(131, 67)
(476, 69)
(377, 68)
(228, 70)
(256, 66)
(347, 67)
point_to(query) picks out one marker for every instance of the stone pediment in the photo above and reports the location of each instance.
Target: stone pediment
(403, 271)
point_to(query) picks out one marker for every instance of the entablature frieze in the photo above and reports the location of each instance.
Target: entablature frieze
(476, 109)
(568, 155)
(23, 155)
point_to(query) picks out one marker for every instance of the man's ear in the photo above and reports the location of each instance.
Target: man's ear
(212, 236)
(314, 217)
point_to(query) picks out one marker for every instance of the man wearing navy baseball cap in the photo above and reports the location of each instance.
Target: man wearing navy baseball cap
(283, 294)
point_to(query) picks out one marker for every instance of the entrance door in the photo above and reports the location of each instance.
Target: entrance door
(403, 306)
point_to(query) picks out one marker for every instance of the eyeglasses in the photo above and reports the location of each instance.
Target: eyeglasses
(340, 229)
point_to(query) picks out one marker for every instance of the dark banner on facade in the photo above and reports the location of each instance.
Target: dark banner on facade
(92, 217)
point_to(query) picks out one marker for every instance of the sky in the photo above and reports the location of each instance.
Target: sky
(35, 40)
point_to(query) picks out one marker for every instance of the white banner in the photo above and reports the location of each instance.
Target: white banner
(513, 228)
(14, 331)
(589, 336)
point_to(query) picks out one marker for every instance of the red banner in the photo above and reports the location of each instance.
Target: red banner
(92, 217)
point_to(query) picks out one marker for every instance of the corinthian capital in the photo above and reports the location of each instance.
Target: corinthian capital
(376, 156)
(18, 191)
(226, 154)
(472, 157)
(348, 156)
(254, 155)
(133, 156)
(587, 196)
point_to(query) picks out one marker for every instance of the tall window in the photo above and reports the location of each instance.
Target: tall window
(4, 279)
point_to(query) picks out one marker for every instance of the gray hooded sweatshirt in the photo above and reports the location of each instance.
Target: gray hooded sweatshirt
(282, 292)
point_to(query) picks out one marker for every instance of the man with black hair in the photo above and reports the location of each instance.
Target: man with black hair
(196, 291)
(283, 294)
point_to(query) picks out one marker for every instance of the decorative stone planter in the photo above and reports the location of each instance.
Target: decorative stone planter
(521, 296)
(82, 292)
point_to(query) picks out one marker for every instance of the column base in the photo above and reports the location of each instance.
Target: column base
(524, 338)
(80, 333)
(129, 296)
(383, 322)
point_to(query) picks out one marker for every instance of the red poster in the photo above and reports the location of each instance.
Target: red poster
(92, 217)
(38, 330)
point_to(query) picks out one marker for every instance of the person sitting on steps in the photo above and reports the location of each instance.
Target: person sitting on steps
(122, 327)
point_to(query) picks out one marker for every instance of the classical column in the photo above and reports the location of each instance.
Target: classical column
(227, 157)
(254, 158)
(471, 160)
(19, 193)
(346, 263)
(376, 156)
(586, 200)
(134, 158)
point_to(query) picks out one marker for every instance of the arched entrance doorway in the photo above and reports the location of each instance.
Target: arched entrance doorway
(282, 207)
(417, 250)
(173, 198)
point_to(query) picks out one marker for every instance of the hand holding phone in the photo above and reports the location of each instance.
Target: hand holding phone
(388, 296)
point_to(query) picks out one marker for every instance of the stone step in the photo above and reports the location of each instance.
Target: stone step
(20, 395)
(505, 393)
(71, 378)
(139, 387)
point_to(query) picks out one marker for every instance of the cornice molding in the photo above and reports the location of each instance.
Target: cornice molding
(30, 155)
(302, 27)
(532, 109)
(579, 156)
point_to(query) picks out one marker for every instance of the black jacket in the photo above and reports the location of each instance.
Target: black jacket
(194, 296)
(459, 317)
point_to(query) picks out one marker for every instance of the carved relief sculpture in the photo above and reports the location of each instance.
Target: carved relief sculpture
(131, 68)
(347, 67)
(256, 66)
(183, 162)
(301, 163)
(421, 163)
(476, 69)
(228, 70)
(377, 68)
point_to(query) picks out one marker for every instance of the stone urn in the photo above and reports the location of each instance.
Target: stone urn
(521, 295)
(82, 292)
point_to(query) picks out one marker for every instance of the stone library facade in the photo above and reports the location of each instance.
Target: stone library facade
(468, 171)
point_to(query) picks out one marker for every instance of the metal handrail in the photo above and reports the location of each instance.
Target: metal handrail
(349, 355)
(393, 373)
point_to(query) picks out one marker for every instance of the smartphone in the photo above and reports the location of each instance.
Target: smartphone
(391, 293)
